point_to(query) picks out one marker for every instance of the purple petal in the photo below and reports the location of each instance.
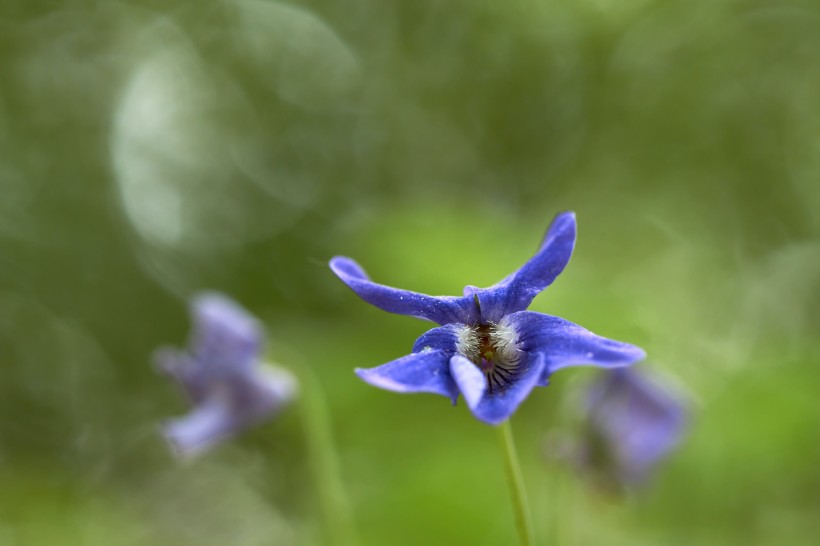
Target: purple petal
(494, 407)
(425, 371)
(230, 389)
(262, 393)
(470, 380)
(564, 343)
(184, 370)
(225, 335)
(200, 430)
(231, 406)
(442, 310)
(516, 292)
(443, 338)
(638, 419)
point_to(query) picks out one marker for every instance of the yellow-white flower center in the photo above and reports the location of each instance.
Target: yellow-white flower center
(493, 349)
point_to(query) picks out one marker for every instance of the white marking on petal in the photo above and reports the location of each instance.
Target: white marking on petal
(378, 380)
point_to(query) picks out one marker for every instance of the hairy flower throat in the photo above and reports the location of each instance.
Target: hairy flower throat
(492, 348)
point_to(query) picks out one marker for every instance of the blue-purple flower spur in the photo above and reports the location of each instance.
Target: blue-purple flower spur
(229, 387)
(488, 347)
(633, 421)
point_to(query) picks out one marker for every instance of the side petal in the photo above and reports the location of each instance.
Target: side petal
(564, 343)
(180, 366)
(495, 407)
(516, 292)
(425, 371)
(261, 393)
(444, 338)
(442, 310)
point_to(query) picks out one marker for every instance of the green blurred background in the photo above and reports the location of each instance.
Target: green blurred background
(152, 149)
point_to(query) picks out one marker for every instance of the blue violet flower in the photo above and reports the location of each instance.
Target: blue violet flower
(488, 347)
(229, 387)
(632, 422)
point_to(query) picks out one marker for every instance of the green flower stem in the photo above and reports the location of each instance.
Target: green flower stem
(324, 463)
(521, 508)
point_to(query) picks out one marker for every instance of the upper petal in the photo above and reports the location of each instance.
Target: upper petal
(495, 406)
(564, 343)
(425, 371)
(441, 309)
(516, 292)
(225, 336)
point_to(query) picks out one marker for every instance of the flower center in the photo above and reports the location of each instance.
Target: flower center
(493, 349)
(486, 348)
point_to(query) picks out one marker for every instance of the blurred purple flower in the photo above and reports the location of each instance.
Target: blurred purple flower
(632, 422)
(229, 387)
(488, 348)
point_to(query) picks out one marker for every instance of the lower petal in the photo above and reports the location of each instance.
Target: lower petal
(204, 427)
(425, 371)
(470, 380)
(496, 406)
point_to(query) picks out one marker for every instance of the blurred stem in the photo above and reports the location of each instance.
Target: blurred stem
(521, 508)
(324, 463)
(563, 515)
